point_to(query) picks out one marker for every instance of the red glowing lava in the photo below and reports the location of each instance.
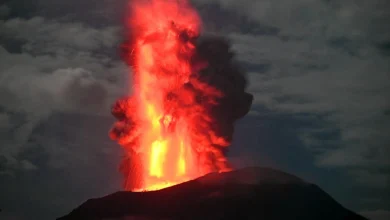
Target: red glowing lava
(166, 123)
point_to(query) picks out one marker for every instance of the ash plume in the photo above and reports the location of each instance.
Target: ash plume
(188, 92)
(223, 73)
(217, 84)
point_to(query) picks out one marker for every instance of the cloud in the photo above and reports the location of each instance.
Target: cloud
(4, 10)
(304, 79)
(376, 214)
(315, 18)
(51, 66)
(44, 36)
(324, 60)
(372, 178)
(4, 121)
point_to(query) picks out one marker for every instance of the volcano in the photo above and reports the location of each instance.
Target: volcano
(176, 125)
(248, 193)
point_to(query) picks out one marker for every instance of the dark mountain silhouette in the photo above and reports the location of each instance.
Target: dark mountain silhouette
(248, 193)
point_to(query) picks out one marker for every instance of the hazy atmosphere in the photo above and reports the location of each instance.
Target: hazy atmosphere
(319, 71)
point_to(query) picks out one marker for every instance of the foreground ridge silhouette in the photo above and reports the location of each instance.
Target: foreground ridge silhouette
(248, 193)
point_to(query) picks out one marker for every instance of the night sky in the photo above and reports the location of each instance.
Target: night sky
(319, 71)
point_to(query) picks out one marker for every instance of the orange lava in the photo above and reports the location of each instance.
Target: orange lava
(171, 125)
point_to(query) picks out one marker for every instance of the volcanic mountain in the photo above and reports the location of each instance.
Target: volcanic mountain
(248, 193)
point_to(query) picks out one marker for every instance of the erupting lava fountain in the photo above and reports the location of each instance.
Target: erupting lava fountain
(168, 127)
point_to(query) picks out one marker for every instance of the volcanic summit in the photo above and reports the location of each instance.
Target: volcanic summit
(248, 193)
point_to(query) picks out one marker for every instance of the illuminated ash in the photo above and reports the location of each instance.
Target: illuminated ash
(187, 95)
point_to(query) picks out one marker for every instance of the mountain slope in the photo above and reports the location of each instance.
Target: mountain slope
(249, 193)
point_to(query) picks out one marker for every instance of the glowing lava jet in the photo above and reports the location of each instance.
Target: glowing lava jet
(167, 127)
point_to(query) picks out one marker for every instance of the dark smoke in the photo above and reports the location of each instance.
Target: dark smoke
(221, 72)
(224, 74)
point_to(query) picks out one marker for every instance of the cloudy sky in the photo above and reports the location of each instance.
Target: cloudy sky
(319, 71)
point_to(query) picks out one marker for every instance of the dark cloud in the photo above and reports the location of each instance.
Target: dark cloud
(4, 11)
(51, 66)
(384, 47)
(74, 160)
(224, 20)
(17, 8)
(95, 13)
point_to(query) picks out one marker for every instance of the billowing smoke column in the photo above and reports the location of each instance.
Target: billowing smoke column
(187, 95)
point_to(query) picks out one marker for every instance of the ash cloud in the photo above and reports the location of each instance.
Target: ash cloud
(224, 74)
(218, 85)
